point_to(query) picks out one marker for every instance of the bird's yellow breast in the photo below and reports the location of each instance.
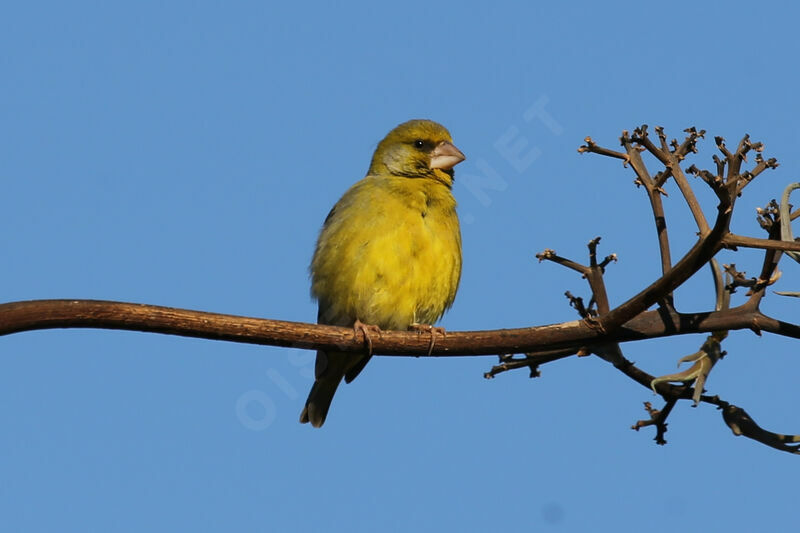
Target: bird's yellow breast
(389, 254)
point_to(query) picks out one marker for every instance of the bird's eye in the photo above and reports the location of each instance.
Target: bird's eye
(419, 143)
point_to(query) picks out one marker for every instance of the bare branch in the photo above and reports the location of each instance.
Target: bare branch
(732, 240)
(742, 424)
(590, 146)
(653, 192)
(551, 255)
(658, 418)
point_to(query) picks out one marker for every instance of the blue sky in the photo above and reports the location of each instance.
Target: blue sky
(186, 154)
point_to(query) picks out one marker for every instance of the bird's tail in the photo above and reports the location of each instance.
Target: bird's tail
(320, 398)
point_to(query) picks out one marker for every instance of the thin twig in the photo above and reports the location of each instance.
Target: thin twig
(731, 240)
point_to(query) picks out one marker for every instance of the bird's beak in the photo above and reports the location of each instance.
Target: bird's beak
(445, 156)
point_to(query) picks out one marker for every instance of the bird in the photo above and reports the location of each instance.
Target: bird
(388, 256)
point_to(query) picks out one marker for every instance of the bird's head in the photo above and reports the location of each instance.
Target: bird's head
(417, 149)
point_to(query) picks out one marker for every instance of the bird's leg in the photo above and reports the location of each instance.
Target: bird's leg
(433, 330)
(366, 329)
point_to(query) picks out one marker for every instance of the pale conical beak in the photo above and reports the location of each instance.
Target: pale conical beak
(445, 156)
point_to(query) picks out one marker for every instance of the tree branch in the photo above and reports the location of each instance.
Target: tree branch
(732, 240)
(17, 317)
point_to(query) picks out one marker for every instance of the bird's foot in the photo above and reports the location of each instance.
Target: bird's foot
(366, 330)
(433, 330)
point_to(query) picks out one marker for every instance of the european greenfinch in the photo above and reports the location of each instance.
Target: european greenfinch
(389, 253)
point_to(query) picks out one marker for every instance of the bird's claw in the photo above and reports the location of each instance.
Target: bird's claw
(366, 330)
(433, 330)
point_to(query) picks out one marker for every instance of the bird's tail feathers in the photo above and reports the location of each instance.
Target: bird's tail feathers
(319, 400)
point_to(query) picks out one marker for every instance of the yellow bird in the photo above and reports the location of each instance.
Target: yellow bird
(389, 253)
